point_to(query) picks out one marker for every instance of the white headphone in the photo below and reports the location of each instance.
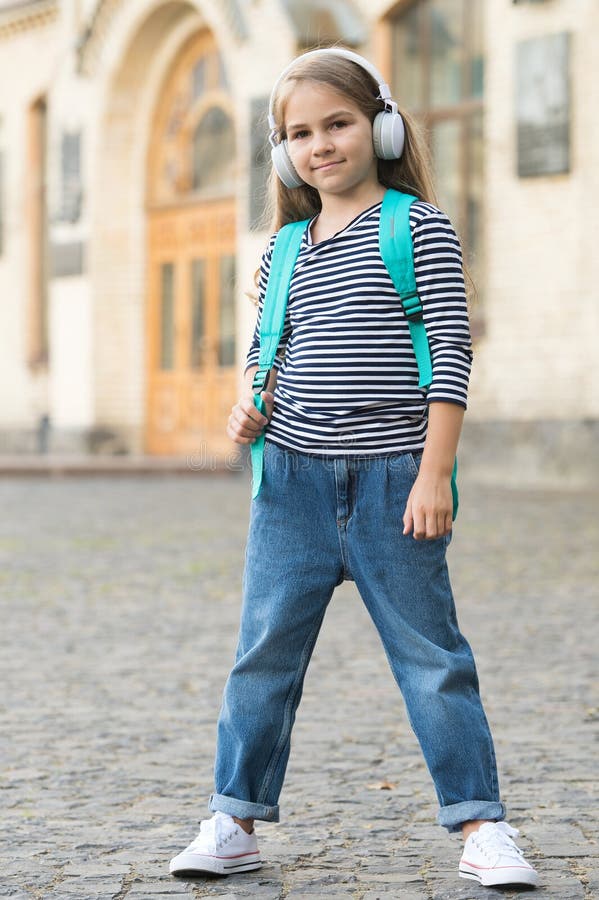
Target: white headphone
(388, 133)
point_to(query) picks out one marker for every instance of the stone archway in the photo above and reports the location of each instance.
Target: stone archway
(128, 76)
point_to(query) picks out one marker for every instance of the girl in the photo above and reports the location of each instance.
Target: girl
(357, 468)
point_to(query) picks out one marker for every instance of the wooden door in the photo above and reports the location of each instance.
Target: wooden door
(191, 372)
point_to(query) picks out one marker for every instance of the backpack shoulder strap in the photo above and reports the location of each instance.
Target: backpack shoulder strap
(397, 251)
(395, 242)
(284, 256)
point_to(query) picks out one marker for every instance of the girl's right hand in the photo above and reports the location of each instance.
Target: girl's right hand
(246, 422)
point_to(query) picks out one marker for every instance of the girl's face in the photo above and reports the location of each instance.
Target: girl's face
(329, 140)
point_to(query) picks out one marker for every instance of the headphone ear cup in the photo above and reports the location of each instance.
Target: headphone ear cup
(388, 135)
(284, 167)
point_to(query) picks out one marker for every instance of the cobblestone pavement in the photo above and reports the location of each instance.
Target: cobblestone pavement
(118, 624)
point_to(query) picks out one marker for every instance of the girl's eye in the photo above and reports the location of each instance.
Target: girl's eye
(298, 134)
(339, 124)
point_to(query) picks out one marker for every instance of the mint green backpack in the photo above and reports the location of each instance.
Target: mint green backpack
(395, 242)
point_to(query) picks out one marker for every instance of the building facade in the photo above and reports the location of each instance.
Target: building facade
(132, 171)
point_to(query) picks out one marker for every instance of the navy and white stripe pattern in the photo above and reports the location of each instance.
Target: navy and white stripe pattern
(347, 379)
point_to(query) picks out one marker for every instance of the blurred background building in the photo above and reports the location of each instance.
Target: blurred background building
(132, 174)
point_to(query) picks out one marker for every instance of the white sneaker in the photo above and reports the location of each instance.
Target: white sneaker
(222, 847)
(491, 857)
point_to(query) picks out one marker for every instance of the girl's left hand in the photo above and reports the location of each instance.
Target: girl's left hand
(429, 508)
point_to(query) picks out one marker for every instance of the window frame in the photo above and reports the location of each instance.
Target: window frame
(429, 115)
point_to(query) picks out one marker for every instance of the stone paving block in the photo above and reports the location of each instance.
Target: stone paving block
(303, 894)
(93, 869)
(205, 889)
(151, 892)
(410, 894)
(240, 885)
(13, 891)
(86, 887)
(227, 896)
(475, 892)
(389, 878)
(260, 891)
(26, 867)
(471, 890)
(585, 869)
(558, 840)
(156, 886)
(90, 894)
(308, 881)
(268, 872)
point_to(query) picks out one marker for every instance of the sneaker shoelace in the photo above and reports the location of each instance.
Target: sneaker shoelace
(215, 832)
(497, 841)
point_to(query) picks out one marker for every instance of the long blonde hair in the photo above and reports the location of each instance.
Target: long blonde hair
(410, 174)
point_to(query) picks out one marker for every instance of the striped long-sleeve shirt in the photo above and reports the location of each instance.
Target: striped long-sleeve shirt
(347, 379)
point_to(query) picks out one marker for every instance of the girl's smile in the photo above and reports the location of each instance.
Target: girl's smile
(327, 166)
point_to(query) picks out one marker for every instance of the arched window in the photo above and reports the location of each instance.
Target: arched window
(213, 151)
(437, 75)
(193, 151)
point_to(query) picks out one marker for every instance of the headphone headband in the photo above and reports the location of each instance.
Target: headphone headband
(384, 90)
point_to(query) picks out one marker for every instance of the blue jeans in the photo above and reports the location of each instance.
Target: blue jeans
(316, 522)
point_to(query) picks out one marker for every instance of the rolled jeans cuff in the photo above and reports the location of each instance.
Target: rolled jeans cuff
(453, 817)
(243, 809)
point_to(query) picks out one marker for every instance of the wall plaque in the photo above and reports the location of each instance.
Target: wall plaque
(71, 186)
(543, 105)
(259, 159)
(67, 259)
